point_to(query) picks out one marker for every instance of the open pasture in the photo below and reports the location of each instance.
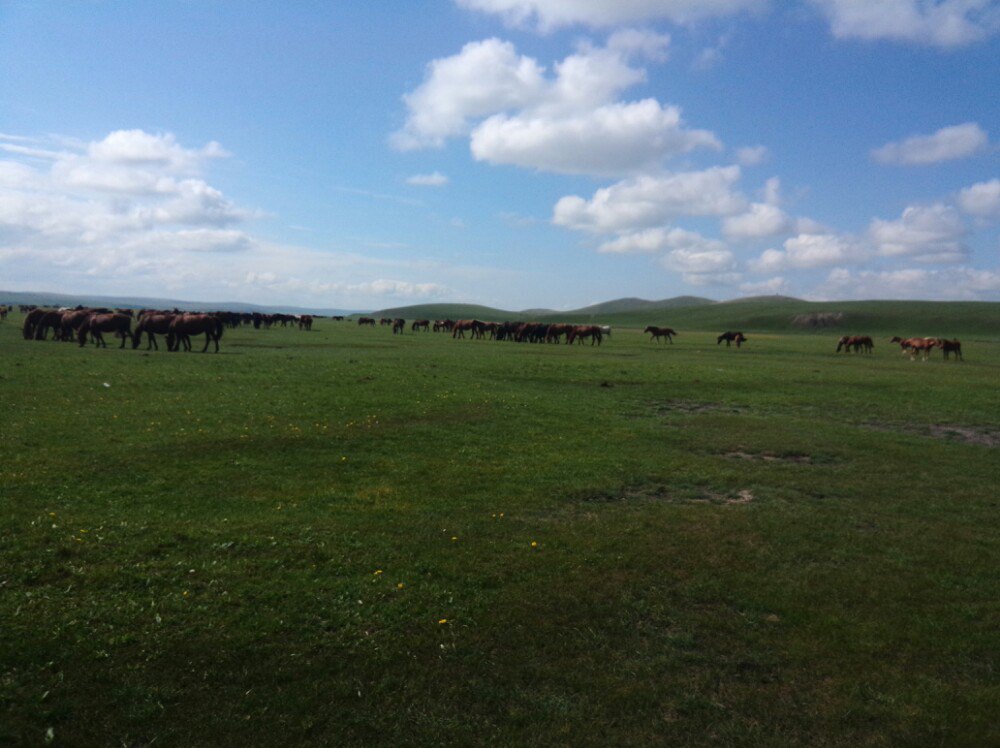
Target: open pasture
(349, 537)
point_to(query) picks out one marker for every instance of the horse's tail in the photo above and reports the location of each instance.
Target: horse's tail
(81, 334)
(218, 328)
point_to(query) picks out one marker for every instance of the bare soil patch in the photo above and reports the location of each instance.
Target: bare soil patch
(985, 436)
(799, 459)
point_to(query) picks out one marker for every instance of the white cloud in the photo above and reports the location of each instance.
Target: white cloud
(609, 140)
(761, 220)
(648, 201)
(551, 14)
(769, 287)
(484, 78)
(810, 251)
(753, 155)
(981, 200)
(912, 283)
(947, 144)
(939, 23)
(437, 179)
(931, 233)
(571, 121)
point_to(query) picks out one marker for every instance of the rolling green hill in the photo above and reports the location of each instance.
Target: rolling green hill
(760, 314)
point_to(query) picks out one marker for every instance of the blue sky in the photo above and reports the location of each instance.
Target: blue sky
(516, 153)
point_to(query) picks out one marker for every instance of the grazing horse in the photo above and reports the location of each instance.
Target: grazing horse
(951, 346)
(306, 322)
(71, 322)
(47, 321)
(855, 343)
(184, 325)
(578, 333)
(443, 325)
(97, 324)
(370, 321)
(913, 346)
(606, 330)
(30, 321)
(398, 326)
(151, 324)
(3, 313)
(660, 332)
(732, 337)
(459, 328)
(385, 321)
(421, 324)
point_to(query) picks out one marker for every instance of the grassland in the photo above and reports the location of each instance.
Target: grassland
(348, 538)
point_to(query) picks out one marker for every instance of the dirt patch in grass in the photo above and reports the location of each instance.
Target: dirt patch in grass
(798, 459)
(984, 436)
(658, 493)
(684, 407)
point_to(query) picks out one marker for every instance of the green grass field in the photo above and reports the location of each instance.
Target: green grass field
(348, 538)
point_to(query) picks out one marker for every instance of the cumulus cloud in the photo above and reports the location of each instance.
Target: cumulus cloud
(551, 14)
(437, 179)
(931, 233)
(981, 200)
(608, 140)
(760, 221)
(570, 120)
(484, 78)
(939, 23)
(753, 155)
(912, 283)
(649, 201)
(947, 144)
(769, 287)
(810, 251)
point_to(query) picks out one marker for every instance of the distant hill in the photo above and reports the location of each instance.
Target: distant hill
(467, 311)
(620, 306)
(43, 298)
(907, 318)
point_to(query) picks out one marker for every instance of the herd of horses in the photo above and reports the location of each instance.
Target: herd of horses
(924, 346)
(80, 324)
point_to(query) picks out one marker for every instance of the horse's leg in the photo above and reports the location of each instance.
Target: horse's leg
(151, 343)
(207, 338)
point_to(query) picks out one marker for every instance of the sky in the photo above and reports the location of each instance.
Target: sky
(513, 153)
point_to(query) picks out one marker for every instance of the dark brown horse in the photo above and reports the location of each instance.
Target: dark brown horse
(30, 321)
(98, 324)
(151, 324)
(951, 346)
(855, 343)
(732, 337)
(370, 321)
(49, 321)
(578, 333)
(185, 325)
(443, 325)
(398, 326)
(660, 332)
(421, 324)
(306, 322)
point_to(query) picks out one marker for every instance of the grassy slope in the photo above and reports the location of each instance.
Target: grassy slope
(208, 551)
(884, 318)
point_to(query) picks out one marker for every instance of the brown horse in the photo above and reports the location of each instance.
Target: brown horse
(855, 343)
(398, 326)
(71, 321)
(49, 321)
(306, 322)
(732, 337)
(421, 324)
(951, 346)
(443, 325)
(184, 325)
(30, 321)
(98, 324)
(370, 321)
(660, 332)
(578, 333)
(474, 326)
(151, 324)
(913, 346)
